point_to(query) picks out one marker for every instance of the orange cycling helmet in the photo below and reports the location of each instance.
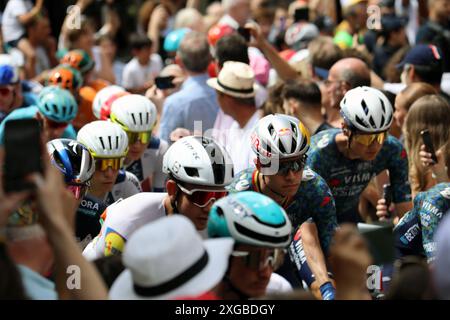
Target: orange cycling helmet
(78, 59)
(65, 77)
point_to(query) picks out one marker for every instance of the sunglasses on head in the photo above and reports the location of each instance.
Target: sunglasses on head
(201, 198)
(295, 166)
(104, 164)
(258, 260)
(78, 190)
(56, 125)
(368, 139)
(142, 137)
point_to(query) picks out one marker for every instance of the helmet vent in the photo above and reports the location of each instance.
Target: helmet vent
(102, 142)
(134, 119)
(64, 109)
(147, 118)
(220, 211)
(364, 106)
(55, 108)
(382, 105)
(304, 144)
(382, 121)
(361, 122)
(372, 122)
(110, 142)
(117, 142)
(271, 129)
(260, 237)
(140, 118)
(192, 172)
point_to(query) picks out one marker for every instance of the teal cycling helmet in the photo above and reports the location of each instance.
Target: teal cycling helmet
(173, 39)
(57, 104)
(250, 218)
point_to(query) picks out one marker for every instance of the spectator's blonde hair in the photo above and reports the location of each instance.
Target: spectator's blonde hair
(430, 112)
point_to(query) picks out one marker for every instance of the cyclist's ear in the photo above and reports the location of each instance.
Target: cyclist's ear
(172, 188)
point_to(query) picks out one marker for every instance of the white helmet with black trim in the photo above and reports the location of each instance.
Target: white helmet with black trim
(134, 113)
(104, 139)
(279, 136)
(367, 109)
(250, 218)
(198, 160)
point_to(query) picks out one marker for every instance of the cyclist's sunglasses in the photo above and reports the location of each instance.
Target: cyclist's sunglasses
(78, 190)
(258, 260)
(142, 137)
(113, 163)
(294, 166)
(56, 125)
(201, 198)
(368, 139)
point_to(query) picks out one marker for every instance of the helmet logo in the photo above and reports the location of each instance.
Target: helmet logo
(284, 132)
(176, 167)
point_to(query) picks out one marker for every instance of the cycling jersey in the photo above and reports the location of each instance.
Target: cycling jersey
(150, 164)
(121, 219)
(126, 185)
(87, 222)
(312, 200)
(414, 234)
(348, 178)
(30, 113)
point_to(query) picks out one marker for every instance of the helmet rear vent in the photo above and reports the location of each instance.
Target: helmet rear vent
(364, 106)
(192, 172)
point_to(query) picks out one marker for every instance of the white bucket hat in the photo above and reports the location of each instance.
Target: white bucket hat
(167, 259)
(236, 79)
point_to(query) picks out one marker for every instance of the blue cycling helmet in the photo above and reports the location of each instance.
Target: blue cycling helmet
(174, 38)
(250, 218)
(57, 104)
(8, 75)
(73, 159)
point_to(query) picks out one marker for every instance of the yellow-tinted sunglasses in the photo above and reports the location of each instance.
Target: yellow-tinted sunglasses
(104, 164)
(368, 139)
(143, 137)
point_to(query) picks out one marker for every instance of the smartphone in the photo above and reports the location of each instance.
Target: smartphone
(22, 153)
(245, 33)
(380, 239)
(387, 195)
(428, 144)
(301, 14)
(164, 82)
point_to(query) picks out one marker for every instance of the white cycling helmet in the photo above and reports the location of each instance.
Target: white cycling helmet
(367, 109)
(102, 96)
(134, 113)
(104, 139)
(279, 136)
(200, 161)
(250, 218)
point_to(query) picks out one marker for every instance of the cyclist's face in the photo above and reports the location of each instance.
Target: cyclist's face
(287, 185)
(250, 281)
(363, 152)
(400, 110)
(103, 181)
(136, 150)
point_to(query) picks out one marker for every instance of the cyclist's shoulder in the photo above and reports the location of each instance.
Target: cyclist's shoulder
(438, 195)
(242, 181)
(392, 144)
(324, 138)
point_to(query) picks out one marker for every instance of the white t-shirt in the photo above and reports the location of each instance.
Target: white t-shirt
(237, 142)
(136, 75)
(122, 219)
(12, 29)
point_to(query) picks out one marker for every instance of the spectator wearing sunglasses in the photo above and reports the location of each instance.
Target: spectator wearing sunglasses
(280, 143)
(108, 144)
(262, 231)
(55, 110)
(198, 171)
(137, 115)
(350, 157)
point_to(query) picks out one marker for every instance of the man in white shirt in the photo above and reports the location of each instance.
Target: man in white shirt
(236, 89)
(140, 72)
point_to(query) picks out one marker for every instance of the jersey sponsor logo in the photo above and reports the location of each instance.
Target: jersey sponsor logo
(89, 205)
(445, 193)
(114, 242)
(430, 246)
(364, 166)
(359, 177)
(308, 175)
(429, 208)
(410, 234)
(242, 185)
(324, 141)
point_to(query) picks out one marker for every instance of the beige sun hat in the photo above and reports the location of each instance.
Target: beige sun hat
(236, 79)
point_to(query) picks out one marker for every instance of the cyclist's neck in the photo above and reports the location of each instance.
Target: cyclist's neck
(268, 191)
(227, 291)
(168, 206)
(342, 144)
(97, 193)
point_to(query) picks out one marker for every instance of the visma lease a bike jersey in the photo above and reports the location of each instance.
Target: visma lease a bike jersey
(150, 164)
(348, 178)
(414, 234)
(312, 200)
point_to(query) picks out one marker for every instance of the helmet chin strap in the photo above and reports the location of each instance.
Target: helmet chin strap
(273, 191)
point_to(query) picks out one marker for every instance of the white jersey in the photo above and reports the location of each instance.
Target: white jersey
(150, 164)
(126, 186)
(123, 218)
(278, 284)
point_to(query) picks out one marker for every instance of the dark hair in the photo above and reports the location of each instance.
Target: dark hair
(305, 91)
(431, 73)
(194, 52)
(138, 42)
(232, 48)
(11, 287)
(110, 268)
